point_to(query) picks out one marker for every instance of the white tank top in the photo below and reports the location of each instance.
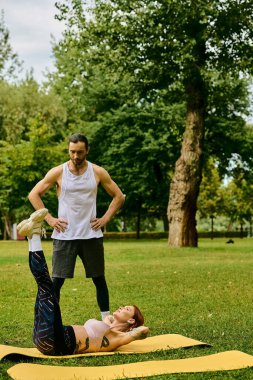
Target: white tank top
(77, 204)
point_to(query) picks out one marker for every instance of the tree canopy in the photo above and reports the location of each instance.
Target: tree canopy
(188, 54)
(9, 61)
(159, 89)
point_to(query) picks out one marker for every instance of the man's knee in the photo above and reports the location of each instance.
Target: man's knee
(99, 281)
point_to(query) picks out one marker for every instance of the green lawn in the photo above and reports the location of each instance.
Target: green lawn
(205, 293)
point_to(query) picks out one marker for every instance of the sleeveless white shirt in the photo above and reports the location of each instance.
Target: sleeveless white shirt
(77, 204)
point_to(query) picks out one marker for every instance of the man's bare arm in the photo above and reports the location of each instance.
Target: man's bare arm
(114, 191)
(36, 194)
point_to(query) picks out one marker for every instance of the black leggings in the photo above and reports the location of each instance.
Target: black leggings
(102, 293)
(101, 289)
(49, 334)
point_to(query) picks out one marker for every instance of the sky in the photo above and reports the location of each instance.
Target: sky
(31, 24)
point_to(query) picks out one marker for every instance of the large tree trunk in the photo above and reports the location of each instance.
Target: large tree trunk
(187, 177)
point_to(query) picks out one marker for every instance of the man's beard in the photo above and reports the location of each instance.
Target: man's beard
(78, 161)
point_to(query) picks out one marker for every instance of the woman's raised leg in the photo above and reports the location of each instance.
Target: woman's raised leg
(48, 333)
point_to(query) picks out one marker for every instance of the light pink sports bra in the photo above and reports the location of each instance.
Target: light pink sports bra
(95, 330)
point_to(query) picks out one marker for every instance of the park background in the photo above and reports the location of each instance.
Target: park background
(163, 92)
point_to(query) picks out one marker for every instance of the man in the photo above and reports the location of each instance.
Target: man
(77, 230)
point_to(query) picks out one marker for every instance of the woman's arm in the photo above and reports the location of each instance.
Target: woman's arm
(137, 333)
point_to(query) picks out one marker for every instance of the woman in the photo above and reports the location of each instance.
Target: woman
(49, 334)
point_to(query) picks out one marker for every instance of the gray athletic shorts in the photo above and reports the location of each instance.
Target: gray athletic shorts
(90, 251)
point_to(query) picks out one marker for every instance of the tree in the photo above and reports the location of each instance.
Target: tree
(32, 129)
(237, 196)
(186, 49)
(22, 103)
(128, 137)
(138, 156)
(9, 62)
(209, 199)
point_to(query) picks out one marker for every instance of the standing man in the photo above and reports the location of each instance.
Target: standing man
(77, 230)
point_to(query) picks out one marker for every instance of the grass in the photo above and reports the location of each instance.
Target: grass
(205, 293)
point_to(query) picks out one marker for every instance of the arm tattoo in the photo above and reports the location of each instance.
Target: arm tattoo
(137, 333)
(79, 345)
(87, 343)
(105, 342)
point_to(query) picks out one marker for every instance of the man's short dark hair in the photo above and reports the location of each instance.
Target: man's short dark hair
(79, 137)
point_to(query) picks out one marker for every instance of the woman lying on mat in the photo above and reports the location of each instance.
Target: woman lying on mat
(49, 334)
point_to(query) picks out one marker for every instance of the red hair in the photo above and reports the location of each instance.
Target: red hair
(138, 317)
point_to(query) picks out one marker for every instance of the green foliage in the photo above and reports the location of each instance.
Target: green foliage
(125, 71)
(159, 44)
(23, 165)
(237, 200)
(32, 128)
(25, 106)
(124, 75)
(9, 62)
(136, 156)
(130, 138)
(209, 200)
(226, 131)
(232, 199)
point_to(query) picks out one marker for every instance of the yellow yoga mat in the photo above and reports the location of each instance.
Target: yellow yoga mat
(228, 360)
(150, 344)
